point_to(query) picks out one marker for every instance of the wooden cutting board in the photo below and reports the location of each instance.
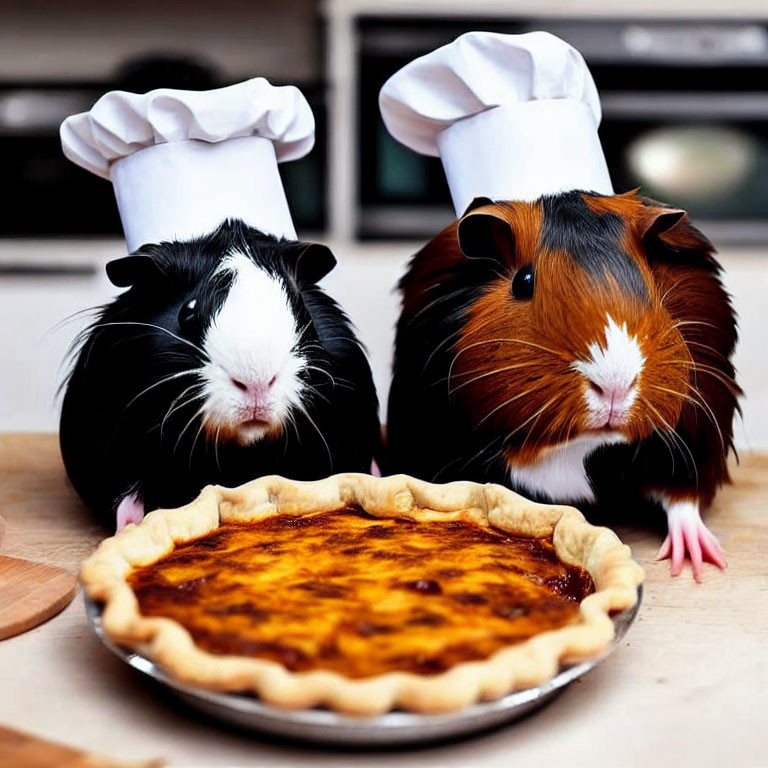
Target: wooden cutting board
(30, 593)
(21, 750)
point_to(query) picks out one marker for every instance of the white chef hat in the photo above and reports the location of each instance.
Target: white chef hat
(512, 117)
(183, 161)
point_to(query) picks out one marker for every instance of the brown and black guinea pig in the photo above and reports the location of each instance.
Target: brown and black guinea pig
(576, 349)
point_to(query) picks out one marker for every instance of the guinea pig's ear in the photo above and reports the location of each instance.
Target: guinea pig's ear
(659, 220)
(478, 202)
(132, 270)
(314, 262)
(671, 226)
(486, 235)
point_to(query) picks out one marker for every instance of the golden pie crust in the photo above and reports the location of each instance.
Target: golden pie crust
(363, 594)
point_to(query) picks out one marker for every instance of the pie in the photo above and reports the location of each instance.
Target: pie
(363, 594)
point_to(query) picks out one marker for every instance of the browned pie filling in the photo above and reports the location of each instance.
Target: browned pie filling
(360, 595)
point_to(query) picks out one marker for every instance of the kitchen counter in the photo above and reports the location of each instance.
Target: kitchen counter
(689, 682)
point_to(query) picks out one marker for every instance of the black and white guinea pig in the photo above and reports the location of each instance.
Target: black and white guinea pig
(224, 361)
(577, 349)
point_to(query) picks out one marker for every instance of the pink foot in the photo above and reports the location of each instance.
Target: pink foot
(129, 510)
(375, 471)
(688, 534)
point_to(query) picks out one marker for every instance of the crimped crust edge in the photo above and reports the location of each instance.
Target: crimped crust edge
(532, 662)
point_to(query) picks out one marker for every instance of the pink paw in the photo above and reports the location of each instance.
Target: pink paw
(129, 510)
(688, 535)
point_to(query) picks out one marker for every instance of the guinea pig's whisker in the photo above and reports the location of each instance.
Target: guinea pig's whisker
(301, 407)
(704, 367)
(728, 382)
(669, 290)
(164, 380)
(173, 407)
(569, 431)
(71, 319)
(709, 347)
(495, 455)
(490, 448)
(320, 370)
(157, 328)
(216, 447)
(304, 330)
(505, 403)
(459, 375)
(472, 457)
(664, 440)
(519, 341)
(528, 433)
(339, 381)
(187, 425)
(498, 341)
(437, 349)
(435, 302)
(488, 373)
(315, 392)
(336, 381)
(705, 407)
(532, 417)
(309, 346)
(716, 372)
(442, 469)
(676, 439)
(694, 322)
(682, 395)
(292, 422)
(194, 443)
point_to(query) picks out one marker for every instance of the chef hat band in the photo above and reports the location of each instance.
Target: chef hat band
(181, 162)
(512, 117)
(201, 185)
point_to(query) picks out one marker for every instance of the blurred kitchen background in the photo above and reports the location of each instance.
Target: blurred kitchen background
(684, 88)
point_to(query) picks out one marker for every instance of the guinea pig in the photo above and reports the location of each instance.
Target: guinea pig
(223, 361)
(576, 349)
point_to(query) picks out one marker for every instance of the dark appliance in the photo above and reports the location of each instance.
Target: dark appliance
(685, 116)
(46, 195)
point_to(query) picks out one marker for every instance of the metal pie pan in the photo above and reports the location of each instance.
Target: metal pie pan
(322, 726)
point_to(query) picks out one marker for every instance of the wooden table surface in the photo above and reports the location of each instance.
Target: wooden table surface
(687, 687)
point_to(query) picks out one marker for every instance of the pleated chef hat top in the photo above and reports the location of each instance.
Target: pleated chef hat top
(512, 117)
(183, 161)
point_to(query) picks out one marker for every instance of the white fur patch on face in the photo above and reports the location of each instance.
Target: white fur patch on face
(560, 475)
(252, 379)
(614, 369)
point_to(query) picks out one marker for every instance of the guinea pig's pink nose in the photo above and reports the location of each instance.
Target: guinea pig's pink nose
(613, 395)
(614, 392)
(255, 389)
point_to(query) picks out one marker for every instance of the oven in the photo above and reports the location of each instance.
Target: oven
(685, 117)
(48, 196)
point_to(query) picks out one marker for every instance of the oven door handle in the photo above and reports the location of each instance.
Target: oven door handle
(620, 105)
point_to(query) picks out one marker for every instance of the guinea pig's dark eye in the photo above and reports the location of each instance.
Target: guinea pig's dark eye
(187, 315)
(522, 283)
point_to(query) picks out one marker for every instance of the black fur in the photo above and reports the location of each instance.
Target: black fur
(120, 434)
(592, 240)
(428, 435)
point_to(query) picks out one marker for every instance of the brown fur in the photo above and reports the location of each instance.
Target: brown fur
(550, 332)
(511, 369)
